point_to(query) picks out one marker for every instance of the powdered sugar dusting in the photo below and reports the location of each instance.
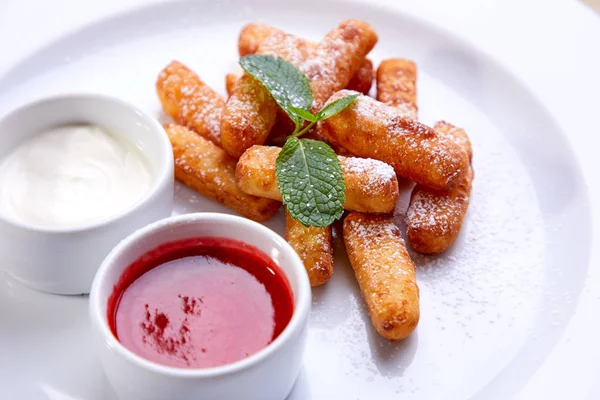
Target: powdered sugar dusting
(380, 239)
(322, 62)
(432, 211)
(198, 106)
(454, 134)
(243, 104)
(372, 234)
(375, 174)
(336, 58)
(414, 149)
(220, 175)
(306, 251)
(289, 47)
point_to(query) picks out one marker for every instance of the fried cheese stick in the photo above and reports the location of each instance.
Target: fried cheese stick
(206, 168)
(371, 185)
(251, 111)
(314, 245)
(385, 273)
(368, 128)
(434, 217)
(397, 85)
(189, 101)
(337, 58)
(252, 35)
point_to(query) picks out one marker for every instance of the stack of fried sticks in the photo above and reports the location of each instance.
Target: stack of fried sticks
(226, 150)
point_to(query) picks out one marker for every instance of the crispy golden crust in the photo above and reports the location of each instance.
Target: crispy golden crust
(434, 218)
(397, 85)
(385, 273)
(369, 128)
(251, 111)
(337, 58)
(189, 101)
(456, 134)
(206, 168)
(248, 117)
(371, 185)
(314, 246)
(363, 78)
(252, 35)
(255, 172)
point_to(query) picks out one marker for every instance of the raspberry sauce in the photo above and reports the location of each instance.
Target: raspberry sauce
(200, 303)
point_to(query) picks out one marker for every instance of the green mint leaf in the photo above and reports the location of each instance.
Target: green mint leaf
(307, 115)
(333, 108)
(286, 83)
(311, 182)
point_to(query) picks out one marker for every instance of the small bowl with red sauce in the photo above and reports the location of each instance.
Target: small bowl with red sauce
(201, 306)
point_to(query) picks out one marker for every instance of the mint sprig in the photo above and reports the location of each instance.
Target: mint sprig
(287, 84)
(335, 107)
(309, 174)
(311, 183)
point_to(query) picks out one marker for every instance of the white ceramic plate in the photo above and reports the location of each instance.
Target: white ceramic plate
(493, 306)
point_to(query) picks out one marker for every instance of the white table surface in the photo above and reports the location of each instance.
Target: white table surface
(553, 46)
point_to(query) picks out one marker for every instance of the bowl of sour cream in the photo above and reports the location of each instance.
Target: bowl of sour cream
(78, 173)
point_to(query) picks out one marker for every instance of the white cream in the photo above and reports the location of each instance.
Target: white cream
(72, 175)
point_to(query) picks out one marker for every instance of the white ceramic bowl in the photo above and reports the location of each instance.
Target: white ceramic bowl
(267, 375)
(64, 260)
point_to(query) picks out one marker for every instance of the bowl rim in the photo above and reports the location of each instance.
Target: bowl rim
(161, 179)
(299, 318)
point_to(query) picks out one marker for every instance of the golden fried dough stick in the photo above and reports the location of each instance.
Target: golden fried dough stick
(314, 245)
(363, 78)
(252, 35)
(337, 58)
(283, 124)
(189, 101)
(371, 185)
(369, 128)
(385, 273)
(206, 168)
(434, 217)
(251, 111)
(397, 85)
